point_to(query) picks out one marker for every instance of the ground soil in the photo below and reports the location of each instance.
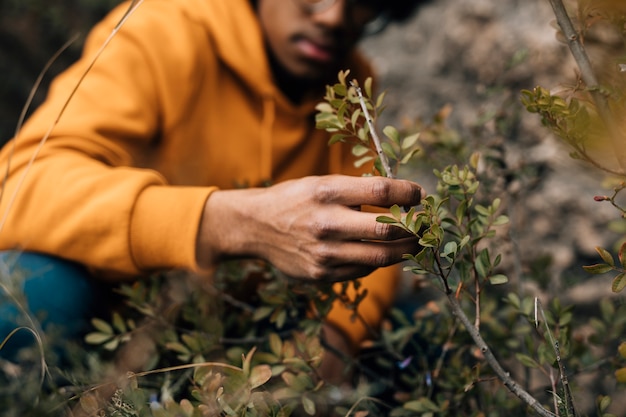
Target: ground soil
(477, 55)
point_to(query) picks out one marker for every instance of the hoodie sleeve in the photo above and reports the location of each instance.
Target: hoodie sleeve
(84, 181)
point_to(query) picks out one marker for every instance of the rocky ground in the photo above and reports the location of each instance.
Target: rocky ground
(477, 55)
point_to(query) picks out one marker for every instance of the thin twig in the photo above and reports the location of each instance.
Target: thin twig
(26, 107)
(504, 376)
(370, 123)
(131, 8)
(569, 398)
(586, 71)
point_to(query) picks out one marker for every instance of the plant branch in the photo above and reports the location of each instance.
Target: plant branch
(370, 123)
(504, 376)
(586, 71)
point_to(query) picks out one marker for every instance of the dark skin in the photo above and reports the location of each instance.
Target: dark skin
(308, 227)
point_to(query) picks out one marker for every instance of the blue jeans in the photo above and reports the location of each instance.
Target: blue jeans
(58, 293)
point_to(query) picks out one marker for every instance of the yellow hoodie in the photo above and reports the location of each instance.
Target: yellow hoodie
(180, 103)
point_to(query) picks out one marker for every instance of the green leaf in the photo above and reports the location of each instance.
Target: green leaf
(177, 347)
(396, 212)
(422, 405)
(118, 323)
(337, 137)
(276, 344)
(603, 402)
(407, 157)
(97, 338)
(526, 360)
(450, 248)
(598, 268)
(112, 344)
(360, 162)
(355, 118)
(388, 150)
(392, 133)
(359, 150)
(367, 86)
(500, 220)
(409, 141)
(262, 312)
(619, 282)
(386, 219)
(340, 89)
(622, 255)
(308, 405)
(498, 279)
(606, 256)
(259, 375)
(324, 107)
(102, 326)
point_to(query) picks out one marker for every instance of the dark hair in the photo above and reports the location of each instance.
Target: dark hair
(400, 10)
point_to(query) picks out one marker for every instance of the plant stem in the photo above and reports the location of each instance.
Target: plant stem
(586, 71)
(370, 123)
(504, 376)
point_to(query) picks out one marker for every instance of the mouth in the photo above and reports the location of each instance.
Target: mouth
(313, 50)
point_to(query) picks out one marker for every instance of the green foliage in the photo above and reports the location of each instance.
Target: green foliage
(249, 341)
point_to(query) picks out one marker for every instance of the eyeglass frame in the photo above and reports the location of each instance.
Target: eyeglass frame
(372, 27)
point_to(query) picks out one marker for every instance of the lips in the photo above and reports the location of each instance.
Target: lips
(315, 51)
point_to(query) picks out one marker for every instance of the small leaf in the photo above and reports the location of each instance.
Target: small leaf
(112, 344)
(118, 322)
(598, 268)
(368, 87)
(396, 212)
(498, 279)
(360, 162)
(276, 344)
(388, 150)
(102, 325)
(409, 141)
(475, 159)
(262, 312)
(392, 133)
(622, 255)
(308, 405)
(97, 338)
(603, 402)
(386, 219)
(359, 150)
(620, 374)
(259, 375)
(606, 256)
(526, 360)
(619, 282)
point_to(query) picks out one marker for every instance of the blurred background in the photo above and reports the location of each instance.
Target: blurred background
(470, 58)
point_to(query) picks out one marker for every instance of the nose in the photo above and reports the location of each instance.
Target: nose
(333, 17)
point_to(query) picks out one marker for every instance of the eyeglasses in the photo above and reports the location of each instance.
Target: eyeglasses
(318, 6)
(373, 11)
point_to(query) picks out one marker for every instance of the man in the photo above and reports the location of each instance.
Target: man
(158, 161)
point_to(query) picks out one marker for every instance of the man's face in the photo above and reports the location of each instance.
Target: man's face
(311, 44)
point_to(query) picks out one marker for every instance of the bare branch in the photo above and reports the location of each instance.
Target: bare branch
(586, 71)
(379, 149)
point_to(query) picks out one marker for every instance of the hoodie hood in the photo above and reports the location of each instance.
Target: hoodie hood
(236, 34)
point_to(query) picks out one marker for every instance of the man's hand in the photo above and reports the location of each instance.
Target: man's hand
(309, 228)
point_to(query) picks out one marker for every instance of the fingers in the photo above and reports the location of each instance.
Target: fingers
(374, 191)
(346, 224)
(349, 260)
